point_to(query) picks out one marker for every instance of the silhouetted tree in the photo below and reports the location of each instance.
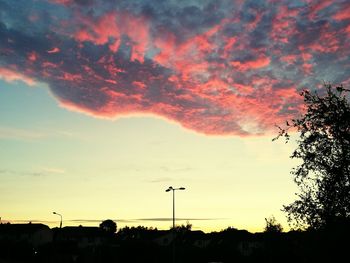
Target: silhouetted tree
(323, 177)
(272, 226)
(183, 228)
(109, 226)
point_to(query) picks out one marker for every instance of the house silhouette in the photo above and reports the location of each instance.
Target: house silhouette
(33, 234)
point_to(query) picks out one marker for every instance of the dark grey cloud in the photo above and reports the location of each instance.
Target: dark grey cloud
(212, 66)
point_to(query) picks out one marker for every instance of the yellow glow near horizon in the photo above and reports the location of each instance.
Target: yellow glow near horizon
(93, 169)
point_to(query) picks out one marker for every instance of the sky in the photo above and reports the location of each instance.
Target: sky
(105, 104)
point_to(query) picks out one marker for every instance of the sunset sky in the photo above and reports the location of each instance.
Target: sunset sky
(105, 104)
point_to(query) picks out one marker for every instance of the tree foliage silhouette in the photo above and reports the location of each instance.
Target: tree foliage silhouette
(109, 226)
(323, 176)
(272, 226)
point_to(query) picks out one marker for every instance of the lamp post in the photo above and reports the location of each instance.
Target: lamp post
(168, 190)
(60, 216)
(174, 189)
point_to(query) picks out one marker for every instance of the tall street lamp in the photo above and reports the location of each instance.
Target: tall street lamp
(168, 190)
(174, 189)
(60, 216)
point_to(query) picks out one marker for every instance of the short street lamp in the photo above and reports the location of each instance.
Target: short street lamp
(60, 216)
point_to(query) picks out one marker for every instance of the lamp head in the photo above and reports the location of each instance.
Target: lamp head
(182, 188)
(169, 189)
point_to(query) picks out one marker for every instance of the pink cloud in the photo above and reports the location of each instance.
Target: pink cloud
(343, 13)
(32, 56)
(234, 74)
(166, 42)
(347, 30)
(328, 41)
(72, 77)
(230, 42)
(110, 27)
(10, 75)
(53, 50)
(186, 58)
(61, 2)
(318, 6)
(284, 24)
(139, 84)
(289, 59)
(253, 24)
(307, 68)
(257, 63)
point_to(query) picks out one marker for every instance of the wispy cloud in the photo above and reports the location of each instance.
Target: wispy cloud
(25, 221)
(13, 133)
(160, 180)
(52, 170)
(235, 71)
(160, 219)
(176, 169)
(36, 172)
(20, 134)
(98, 221)
(140, 220)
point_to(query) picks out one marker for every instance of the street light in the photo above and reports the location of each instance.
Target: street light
(168, 190)
(60, 216)
(174, 189)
